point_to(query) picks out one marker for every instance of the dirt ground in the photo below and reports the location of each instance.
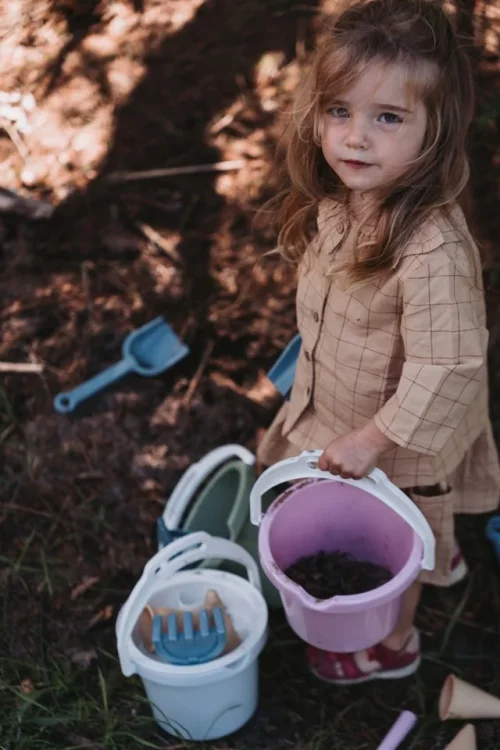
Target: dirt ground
(134, 85)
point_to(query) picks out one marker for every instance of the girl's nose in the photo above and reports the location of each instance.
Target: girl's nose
(356, 135)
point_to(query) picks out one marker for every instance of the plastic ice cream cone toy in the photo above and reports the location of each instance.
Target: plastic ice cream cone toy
(461, 700)
(212, 599)
(464, 740)
(146, 624)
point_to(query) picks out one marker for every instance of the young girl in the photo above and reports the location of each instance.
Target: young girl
(392, 370)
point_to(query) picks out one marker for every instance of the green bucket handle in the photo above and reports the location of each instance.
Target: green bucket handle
(190, 482)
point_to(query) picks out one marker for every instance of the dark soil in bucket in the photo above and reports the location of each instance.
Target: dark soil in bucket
(328, 574)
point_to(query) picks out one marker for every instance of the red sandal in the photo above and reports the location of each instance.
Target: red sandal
(376, 663)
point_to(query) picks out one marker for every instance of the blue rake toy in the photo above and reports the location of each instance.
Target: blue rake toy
(191, 645)
(282, 373)
(148, 351)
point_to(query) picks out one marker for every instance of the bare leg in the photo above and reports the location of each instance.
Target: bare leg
(397, 639)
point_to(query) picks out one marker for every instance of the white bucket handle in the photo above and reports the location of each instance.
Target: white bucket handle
(192, 479)
(169, 560)
(376, 483)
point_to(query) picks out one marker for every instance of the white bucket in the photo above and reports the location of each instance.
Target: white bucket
(204, 701)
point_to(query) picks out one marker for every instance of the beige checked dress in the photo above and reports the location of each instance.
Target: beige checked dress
(408, 351)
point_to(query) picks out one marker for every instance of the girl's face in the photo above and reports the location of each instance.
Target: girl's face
(374, 130)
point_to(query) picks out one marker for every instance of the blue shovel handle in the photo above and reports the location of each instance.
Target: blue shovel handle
(282, 373)
(68, 401)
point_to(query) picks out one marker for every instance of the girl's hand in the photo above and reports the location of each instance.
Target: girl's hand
(356, 454)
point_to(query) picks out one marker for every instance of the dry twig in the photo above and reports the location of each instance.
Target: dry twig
(155, 237)
(16, 139)
(227, 119)
(22, 367)
(219, 166)
(24, 509)
(262, 393)
(188, 396)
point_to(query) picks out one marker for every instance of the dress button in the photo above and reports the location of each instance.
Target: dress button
(308, 390)
(340, 228)
(307, 356)
(315, 316)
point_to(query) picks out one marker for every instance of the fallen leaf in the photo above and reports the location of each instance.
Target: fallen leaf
(27, 687)
(82, 587)
(103, 614)
(263, 391)
(82, 658)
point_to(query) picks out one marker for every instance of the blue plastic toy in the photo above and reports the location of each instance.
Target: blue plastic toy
(282, 373)
(148, 351)
(493, 533)
(191, 645)
(166, 536)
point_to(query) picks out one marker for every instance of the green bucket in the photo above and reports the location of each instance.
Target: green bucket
(213, 496)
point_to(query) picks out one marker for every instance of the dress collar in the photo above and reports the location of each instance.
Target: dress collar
(334, 219)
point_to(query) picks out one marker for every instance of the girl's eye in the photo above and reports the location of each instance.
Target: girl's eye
(391, 118)
(339, 112)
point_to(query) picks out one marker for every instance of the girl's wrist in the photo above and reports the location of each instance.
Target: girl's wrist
(380, 442)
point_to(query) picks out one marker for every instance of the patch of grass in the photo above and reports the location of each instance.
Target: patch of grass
(49, 702)
(59, 705)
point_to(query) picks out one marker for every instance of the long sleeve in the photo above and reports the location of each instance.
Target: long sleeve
(445, 343)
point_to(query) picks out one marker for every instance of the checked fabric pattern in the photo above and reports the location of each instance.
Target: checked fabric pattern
(409, 351)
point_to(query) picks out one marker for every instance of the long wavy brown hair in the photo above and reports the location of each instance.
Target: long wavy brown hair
(417, 35)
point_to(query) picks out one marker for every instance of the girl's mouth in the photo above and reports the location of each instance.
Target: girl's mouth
(356, 164)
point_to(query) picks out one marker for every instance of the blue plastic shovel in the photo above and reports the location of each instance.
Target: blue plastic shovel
(148, 351)
(282, 373)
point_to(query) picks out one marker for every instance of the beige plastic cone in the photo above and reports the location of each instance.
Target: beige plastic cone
(464, 740)
(461, 700)
(146, 624)
(212, 599)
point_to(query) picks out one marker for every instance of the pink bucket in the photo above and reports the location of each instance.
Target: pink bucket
(370, 518)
